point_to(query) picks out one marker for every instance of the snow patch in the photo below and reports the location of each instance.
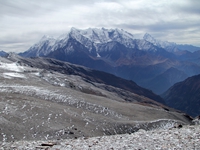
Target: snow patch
(11, 66)
(98, 55)
(12, 74)
(36, 73)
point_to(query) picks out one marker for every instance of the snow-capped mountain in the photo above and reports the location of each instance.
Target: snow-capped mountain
(91, 38)
(94, 38)
(118, 52)
(102, 36)
(42, 48)
(170, 46)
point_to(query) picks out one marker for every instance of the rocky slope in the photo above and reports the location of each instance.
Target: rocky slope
(185, 96)
(187, 137)
(88, 74)
(48, 99)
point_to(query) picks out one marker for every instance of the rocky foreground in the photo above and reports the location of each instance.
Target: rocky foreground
(186, 137)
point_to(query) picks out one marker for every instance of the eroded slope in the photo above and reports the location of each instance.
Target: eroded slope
(41, 103)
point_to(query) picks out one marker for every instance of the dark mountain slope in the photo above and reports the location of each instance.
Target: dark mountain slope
(2, 53)
(185, 96)
(79, 54)
(90, 75)
(165, 80)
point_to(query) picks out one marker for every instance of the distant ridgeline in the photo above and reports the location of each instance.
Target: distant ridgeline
(2, 53)
(153, 64)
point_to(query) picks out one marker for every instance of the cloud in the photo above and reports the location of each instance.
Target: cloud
(190, 7)
(27, 21)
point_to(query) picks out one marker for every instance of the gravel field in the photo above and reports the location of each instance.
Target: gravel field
(185, 138)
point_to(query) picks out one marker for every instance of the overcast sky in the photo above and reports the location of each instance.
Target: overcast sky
(24, 22)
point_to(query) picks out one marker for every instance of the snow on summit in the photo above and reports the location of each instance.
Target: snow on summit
(104, 35)
(12, 74)
(159, 43)
(91, 37)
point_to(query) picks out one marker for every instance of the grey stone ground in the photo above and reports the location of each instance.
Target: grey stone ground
(186, 138)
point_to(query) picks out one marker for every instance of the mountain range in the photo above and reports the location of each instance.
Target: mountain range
(88, 83)
(151, 63)
(45, 99)
(170, 46)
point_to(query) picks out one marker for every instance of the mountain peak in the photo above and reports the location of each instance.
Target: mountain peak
(47, 37)
(146, 35)
(169, 46)
(102, 35)
(150, 39)
(73, 28)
